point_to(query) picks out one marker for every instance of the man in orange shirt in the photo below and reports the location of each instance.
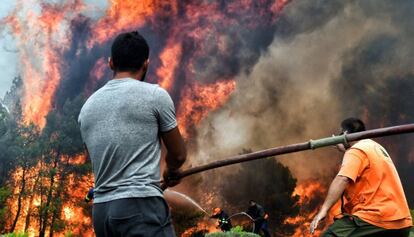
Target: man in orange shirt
(373, 200)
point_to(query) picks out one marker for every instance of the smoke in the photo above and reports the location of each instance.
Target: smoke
(328, 60)
(377, 80)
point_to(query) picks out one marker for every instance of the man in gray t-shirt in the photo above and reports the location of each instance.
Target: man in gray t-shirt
(122, 125)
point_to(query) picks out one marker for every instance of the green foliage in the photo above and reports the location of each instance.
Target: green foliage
(60, 225)
(235, 232)
(412, 214)
(62, 130)
(237, 229)
(16, 234)
(4, 211)
(4, 194)
(412, 229)
(3, 120)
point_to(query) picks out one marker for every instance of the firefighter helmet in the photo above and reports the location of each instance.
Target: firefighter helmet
(216, 211)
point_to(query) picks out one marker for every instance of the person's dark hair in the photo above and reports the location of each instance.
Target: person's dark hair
(129, 51)
(352, 125)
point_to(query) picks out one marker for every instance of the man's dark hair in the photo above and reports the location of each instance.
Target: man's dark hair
(129, 51)
(352, 125)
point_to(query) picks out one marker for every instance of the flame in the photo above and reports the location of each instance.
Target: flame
(311, 195)
(169, 62)
(122, 15)
(205, 226)
(40, 63)
(72, 212)
(308, 190)
(16, 177)
(199, 100)
(97, 73)
(279, 5)
(68, 213)
(49, 28)
(76, 160)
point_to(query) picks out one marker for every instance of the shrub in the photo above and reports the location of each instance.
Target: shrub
(234, 232)
(412, 229)
(14, 234)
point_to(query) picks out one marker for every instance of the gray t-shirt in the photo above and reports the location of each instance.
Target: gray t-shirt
(120, 125)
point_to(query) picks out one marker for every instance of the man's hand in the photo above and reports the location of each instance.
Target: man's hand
(335, 191)
(320, 216)
(171, 178)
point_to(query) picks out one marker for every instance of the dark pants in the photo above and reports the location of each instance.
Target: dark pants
(352, 226)
(225, 227)
(133, 217)
(261, 226)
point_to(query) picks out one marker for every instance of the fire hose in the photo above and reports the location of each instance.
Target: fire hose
(310, 145)
(245, 214)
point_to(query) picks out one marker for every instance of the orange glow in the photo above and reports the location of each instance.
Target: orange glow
(69, 214)
(122, 15)
(307, 190)
(169, 62)
(27, 203)
(72, 213)
(97, 74)
(98, 70)
(76, 160)
(279, 5)
(198, 100)
(312, 194)
(207, 225)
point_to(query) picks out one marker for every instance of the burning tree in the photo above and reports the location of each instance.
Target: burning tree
(42, 164)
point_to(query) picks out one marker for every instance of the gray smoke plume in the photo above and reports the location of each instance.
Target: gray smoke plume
(329, 60)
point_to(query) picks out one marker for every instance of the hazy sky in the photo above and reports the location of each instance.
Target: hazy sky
(8, 53)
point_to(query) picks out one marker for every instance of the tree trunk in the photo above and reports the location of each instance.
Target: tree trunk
(58, 207)
(29, 212)
(19, 200)
(45, 211)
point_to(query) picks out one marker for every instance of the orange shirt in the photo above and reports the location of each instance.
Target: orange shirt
(376, 194)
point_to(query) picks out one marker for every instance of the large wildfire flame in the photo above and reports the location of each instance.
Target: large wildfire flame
(310, 193)
(41, 39)
(43, 36)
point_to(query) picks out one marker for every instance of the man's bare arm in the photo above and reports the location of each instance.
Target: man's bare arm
(335, 192)
(176, 151)
(336, 189)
